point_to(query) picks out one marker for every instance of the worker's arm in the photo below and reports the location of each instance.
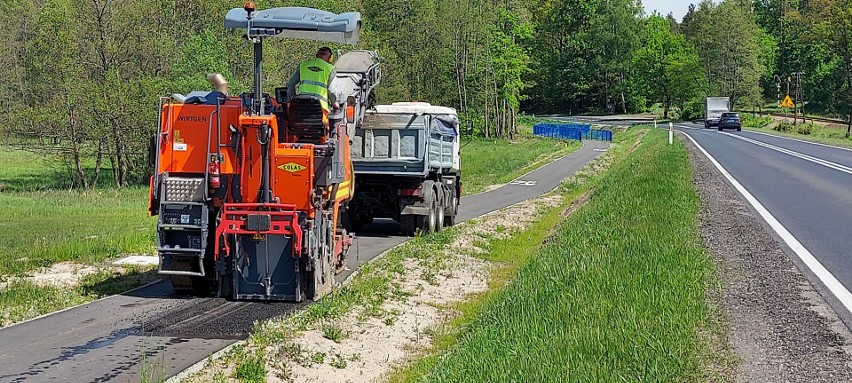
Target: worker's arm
(332, 98)
(291, 85)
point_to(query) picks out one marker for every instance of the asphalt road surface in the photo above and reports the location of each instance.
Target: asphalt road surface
(805, 186)
(150, 332)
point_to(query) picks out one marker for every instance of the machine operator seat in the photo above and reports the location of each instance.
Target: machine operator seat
(306, 119)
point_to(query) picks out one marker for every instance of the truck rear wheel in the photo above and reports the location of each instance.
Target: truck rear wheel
(431, 221)
(450, 219)
(439, 216)
(410, 223)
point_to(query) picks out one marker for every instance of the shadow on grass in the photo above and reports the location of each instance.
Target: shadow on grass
(48, 179)
(110, 283)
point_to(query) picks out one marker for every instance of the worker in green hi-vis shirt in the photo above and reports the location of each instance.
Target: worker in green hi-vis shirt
(313, 77)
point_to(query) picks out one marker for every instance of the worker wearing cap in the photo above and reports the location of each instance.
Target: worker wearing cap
(313, 77)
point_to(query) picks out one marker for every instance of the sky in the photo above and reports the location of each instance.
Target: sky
(677, 7)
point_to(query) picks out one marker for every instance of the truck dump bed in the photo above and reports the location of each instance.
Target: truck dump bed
(406, 139)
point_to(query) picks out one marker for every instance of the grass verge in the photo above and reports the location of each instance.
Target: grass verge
(616, 294)
(40, 228)
(494, 162)
(41, 224)
(831, 135)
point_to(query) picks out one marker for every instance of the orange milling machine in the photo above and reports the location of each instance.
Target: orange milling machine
(249, 189)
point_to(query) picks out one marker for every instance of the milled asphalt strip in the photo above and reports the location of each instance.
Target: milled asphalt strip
(819, 161)
(833, 285)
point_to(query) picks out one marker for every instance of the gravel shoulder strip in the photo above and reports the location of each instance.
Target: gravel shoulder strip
(779, 327)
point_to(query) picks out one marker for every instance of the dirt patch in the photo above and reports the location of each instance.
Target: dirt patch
(778, 327)
(370, 347)
(63, 274)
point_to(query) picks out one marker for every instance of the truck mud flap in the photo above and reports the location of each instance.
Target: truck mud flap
(415, 210)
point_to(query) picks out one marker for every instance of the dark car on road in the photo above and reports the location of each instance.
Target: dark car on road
(730, 121)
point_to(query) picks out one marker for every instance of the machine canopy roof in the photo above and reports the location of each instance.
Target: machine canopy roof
(298, 23)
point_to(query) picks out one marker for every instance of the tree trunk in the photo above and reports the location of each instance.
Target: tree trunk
(98, 162)
(75, 149)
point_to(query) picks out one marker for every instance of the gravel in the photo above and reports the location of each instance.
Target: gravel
(778, 327)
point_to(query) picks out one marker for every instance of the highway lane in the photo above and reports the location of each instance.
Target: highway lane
(806, 187)
(150, 332)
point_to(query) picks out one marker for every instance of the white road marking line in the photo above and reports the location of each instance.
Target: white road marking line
(523, 183)
(688, 127)
(820, 161)
(804, 141)
(828, 279)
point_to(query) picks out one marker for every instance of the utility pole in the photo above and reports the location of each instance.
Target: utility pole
(802, 95)
(788, 93)
(796, 100)
(799, 98)
(777, 80)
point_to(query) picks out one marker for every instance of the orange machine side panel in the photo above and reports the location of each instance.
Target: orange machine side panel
(293, 175)
(186, 128)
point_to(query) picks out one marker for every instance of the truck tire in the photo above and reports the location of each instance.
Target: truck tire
(439, 216)
(440, 209)
(410, 223)
(431, 220)
(450, 219)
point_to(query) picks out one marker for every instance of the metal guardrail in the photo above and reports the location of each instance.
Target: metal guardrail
(577, 132)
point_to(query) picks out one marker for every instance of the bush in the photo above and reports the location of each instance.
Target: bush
(784, 127)
(693, 110)
(756, 122)
(805, 129)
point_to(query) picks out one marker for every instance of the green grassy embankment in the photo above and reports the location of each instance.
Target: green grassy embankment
(40, 227)
(815, 132)
(615, 294)
(494, 162)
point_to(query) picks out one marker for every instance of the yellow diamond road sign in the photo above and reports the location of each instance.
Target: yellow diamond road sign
(292, 167)
(787, 103)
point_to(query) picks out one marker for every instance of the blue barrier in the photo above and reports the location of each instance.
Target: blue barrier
(576, 132)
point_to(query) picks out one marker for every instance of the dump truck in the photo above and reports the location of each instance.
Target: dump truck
(407, 167)
(713, 109)
(249, 189)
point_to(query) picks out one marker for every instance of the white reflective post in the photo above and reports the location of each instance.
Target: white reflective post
(671, 133)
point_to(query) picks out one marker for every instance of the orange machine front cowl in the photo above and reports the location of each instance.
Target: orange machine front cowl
(293, 175)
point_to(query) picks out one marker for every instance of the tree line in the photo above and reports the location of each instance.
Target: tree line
(82, 77)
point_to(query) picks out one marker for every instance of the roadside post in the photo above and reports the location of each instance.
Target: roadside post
(849, 124)
(671, 133)
(655, 123)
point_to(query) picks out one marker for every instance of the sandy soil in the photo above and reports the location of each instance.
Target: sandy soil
(63, 274)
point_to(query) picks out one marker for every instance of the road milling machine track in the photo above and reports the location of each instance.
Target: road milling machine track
(249, 189)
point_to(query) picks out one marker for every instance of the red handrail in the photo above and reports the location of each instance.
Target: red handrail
(235, 215)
